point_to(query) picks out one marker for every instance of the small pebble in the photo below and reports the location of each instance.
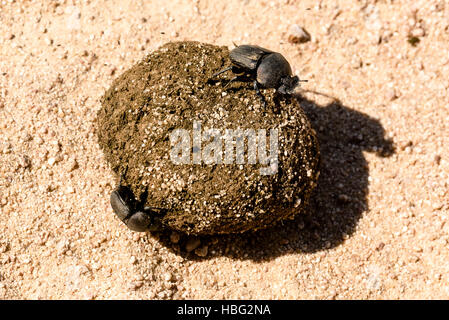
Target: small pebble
(27, 137)
(168, 277)
(418, 32)
(406, 144)
(201, 252)
(390, 94)
(356, 62)
(90, 295)
(24, 162)
(174, 237)
(134, 285)
(81, 270)
(344, 198)
(72, 165)
(112, 70)
(437, 159)
(52, 161)
(136, 237)
(413, 41)
(62, 247)
(297, 34)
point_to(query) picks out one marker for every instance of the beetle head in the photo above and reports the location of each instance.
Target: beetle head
(289, 85)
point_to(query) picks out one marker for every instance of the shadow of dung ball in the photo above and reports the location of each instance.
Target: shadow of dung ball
(205, 152)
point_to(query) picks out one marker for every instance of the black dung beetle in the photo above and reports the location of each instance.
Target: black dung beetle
(133, 213)
(267, 68)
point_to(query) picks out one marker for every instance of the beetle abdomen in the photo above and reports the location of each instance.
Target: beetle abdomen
(247, 56)
(272, 69)
(118, 205)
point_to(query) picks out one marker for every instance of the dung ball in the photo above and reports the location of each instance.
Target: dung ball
(205, 150)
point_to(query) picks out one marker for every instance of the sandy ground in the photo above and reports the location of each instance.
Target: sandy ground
(379, 225)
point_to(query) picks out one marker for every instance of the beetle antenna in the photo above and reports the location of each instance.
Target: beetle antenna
(323, 94)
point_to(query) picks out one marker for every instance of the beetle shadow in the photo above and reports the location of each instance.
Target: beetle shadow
(338, 202)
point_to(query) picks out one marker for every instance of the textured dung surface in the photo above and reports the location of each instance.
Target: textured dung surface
(378, 226)
(170, 89)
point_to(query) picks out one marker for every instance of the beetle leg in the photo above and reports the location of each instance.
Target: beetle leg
(256, 87)
(222, 71)
(154, 209)
(233, 79)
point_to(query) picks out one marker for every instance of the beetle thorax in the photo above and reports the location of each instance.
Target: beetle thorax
(272, 68)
